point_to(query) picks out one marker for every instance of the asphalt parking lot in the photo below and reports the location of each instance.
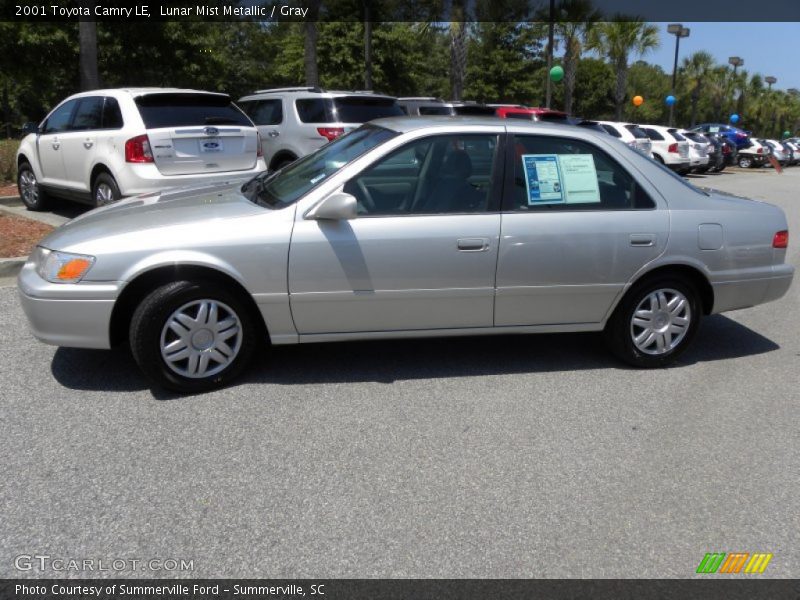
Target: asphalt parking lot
(535, 456)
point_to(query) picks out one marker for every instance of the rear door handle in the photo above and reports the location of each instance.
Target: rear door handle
(88, 144)
(645, 240)
(473, 244)
(273, 133)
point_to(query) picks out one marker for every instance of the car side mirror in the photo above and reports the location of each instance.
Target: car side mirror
(30, 127)
(337, 207)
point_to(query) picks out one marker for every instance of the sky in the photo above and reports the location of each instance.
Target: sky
(767, 48)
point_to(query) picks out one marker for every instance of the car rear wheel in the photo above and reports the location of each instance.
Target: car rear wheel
(655, 323)
(105, 190)
(192, 336)
(33, 197)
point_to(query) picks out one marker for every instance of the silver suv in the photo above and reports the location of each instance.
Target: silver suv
(295, 121)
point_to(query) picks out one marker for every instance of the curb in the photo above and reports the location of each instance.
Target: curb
(9, 267)
(10, 201)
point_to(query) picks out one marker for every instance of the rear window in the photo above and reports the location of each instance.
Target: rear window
(612, 130)
(346, 109)
(476, 111)
(558, 118)
(181, 110)
(435, 110)
(519, 115)
(678, 137)
(653, 134)
(637, 132)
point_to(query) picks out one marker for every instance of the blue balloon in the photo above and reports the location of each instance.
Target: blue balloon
(670, 100)
(734, 118)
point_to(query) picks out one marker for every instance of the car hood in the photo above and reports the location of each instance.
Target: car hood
(154, 211)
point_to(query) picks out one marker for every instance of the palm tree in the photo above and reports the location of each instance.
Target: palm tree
(696, 68)
(458, 48)
(87, 43)
(617, 40)
(574, 19)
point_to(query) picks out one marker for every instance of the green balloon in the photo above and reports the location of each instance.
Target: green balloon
(787, 133)
(556, 73)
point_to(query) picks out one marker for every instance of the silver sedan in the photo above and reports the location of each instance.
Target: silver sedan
(408, 227)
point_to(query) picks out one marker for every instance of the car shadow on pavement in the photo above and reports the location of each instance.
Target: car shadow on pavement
(719, 338)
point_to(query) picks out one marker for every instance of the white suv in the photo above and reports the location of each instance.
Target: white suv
(99, 146)
(669, 147)
(294, 122)
(630, 134)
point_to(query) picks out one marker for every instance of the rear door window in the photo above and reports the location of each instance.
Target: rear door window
(565, 174)
(89, 114)
(266, 112)
(182, 110)
(112, 115)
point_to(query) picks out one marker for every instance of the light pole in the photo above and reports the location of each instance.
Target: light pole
(550, 42)
(770, 80)
(679, 31)
(736, 62)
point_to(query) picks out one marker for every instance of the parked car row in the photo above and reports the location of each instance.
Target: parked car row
(100, 146)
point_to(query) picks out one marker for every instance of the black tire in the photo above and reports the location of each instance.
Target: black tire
(619, 331)
(32, 195)
(282, 163)
(150, 320)
(105, 184)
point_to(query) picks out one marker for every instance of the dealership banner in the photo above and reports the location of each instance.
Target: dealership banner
(402, 589)
(384, 10)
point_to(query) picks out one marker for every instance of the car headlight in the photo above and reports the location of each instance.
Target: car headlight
(61, 267)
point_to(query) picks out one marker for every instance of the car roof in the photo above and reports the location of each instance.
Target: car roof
(405, 124)
(144, 91)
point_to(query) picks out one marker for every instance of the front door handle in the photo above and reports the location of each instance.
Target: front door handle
(473, 244)
(645, 240)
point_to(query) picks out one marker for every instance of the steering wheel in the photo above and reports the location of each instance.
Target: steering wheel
(366, 198)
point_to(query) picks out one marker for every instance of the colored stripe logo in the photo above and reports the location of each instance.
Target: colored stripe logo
(734, 562)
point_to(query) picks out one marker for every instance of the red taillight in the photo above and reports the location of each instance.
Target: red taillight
(330, 133)
(781, 239)
(760, 151)
(259, 149)
(726, 150)
(739, 134)
(672, 148)
(137, 150)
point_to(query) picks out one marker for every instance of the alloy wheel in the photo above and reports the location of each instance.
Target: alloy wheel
(28, 187)
(103, 194)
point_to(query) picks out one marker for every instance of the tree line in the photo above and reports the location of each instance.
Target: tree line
(470, 57)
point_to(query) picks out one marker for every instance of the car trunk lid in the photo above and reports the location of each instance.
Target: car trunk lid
(193, 133)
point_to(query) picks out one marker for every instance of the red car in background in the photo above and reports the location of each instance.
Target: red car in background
(530, 114)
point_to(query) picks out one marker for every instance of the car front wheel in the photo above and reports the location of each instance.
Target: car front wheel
(655, 323)
(192, 336)
(33, 197)
(745, 162)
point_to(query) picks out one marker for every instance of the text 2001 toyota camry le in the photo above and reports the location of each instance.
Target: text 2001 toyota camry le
(409, 227)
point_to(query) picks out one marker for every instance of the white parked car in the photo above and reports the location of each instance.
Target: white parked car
(778, 151)
(668, 149)
(753, 155)
(629, 133)
(99, 146)
(698, 151)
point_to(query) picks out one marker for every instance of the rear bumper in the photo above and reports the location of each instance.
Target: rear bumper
(145, 178)
(74, 315)
(732, 295)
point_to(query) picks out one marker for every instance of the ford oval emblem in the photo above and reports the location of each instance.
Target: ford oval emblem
(211, 131)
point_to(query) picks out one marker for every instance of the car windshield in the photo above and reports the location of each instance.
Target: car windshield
(286, 186)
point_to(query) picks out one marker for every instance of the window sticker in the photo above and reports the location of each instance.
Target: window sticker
(560, 178)
(713, 129)
(542, 178)
(580, 178)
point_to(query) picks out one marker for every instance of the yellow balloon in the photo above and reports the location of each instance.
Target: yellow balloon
(637, 100)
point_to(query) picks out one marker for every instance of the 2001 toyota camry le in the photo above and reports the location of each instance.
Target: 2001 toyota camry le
(408, 227)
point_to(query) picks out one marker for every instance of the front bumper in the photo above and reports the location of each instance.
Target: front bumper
(74, 315)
